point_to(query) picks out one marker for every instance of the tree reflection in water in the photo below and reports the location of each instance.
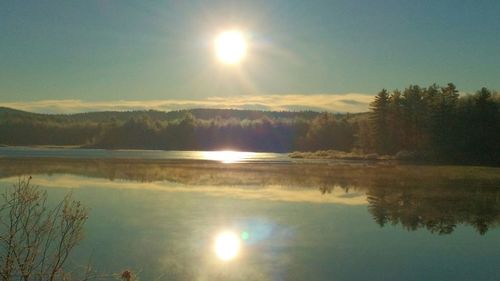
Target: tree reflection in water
(438, 209)
(437, 198)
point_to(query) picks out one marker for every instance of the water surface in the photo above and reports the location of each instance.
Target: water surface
(227, 156)
(295, 221)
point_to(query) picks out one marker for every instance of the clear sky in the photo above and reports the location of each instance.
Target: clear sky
(109, 50)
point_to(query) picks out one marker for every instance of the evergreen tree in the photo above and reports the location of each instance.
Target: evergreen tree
(379, 119)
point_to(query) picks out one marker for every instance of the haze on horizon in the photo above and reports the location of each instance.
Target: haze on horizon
(93, 55)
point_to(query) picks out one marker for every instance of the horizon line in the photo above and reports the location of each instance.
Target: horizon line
(338, 103)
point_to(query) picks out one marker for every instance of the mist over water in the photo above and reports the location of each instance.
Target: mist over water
(284, 220)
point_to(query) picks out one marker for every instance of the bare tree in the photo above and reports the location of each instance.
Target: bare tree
(35, 240)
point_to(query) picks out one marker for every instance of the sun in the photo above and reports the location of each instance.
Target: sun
(231, 46)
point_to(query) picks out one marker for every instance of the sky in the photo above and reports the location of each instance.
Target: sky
(71, 56)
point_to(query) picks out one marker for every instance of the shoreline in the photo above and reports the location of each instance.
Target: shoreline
(406, 158)
(341, 155)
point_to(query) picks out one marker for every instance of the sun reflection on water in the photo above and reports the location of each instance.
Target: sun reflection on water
(227, 156)
(227, 245)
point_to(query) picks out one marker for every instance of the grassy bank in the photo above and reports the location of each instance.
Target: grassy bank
(340, 155)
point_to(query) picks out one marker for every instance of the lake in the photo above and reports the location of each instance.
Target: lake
(161, 214)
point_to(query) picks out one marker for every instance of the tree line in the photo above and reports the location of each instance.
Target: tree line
(197, 129)
(436, 123)
(428, 123)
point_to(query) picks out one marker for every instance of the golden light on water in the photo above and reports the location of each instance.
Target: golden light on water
(230, 46)
(227, 245)
(226, 156)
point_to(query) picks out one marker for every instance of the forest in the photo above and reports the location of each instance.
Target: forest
(434, 124)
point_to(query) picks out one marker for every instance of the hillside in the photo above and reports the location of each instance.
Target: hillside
(194, 129)
(199, 113)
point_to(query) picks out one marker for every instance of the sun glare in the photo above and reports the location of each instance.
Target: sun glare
(230, 46)
(226, 156)
(227, 245)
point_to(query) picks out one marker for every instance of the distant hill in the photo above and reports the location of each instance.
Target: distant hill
(199, 113)
(193, 129)
(4, 111)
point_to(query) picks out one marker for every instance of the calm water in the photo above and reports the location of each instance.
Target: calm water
(294, 221)
(221, 156)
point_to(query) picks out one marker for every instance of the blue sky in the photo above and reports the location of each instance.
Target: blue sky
(111, 50)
